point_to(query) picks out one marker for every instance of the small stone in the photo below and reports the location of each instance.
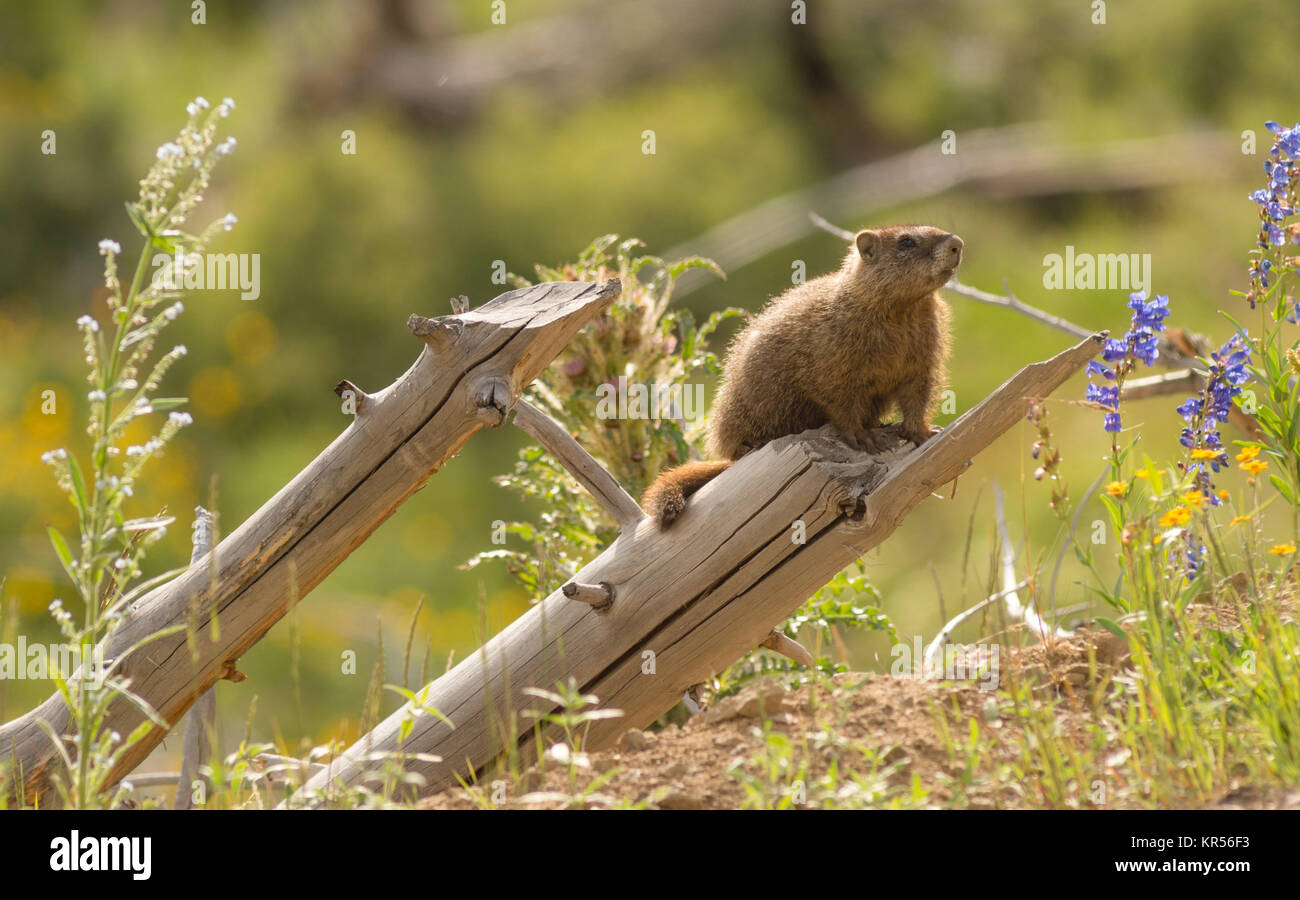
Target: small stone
(763, 699)
(632, 741)
(680, 800)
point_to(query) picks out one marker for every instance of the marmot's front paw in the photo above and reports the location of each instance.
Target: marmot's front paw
(866, 440)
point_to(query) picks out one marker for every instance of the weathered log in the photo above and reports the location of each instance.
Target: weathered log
(689, 601)
(201, 720)
(472, 371)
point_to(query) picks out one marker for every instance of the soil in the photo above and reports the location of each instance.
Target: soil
(901, 721)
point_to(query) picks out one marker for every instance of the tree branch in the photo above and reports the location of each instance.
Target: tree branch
(603, 487)
(201, 721)
(397, 440)
(690, 600)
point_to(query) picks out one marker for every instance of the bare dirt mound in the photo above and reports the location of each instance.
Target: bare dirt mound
(857, 740)
(703, 764)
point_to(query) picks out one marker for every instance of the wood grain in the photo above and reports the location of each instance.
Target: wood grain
(472, 369)
(697, 596)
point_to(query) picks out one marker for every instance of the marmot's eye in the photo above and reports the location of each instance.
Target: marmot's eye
(906, 243)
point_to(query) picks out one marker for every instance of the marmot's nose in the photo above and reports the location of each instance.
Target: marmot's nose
(953, 247)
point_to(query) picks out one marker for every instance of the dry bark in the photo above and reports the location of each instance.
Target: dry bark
(471, 372)
(695, 597)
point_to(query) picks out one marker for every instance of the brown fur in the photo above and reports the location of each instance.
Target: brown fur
(842, 349)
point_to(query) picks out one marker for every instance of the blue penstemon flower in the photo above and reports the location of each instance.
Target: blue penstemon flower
(1228, 371)
(1276, 202)
(1139, 344)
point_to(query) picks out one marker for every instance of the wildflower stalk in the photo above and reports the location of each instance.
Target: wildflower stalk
(1271, 273)
(112, 547)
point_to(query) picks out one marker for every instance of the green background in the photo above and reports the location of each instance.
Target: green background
(531, 169)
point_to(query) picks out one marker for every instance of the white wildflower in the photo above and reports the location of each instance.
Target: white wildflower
(96, 397)
(173, 311)
(229, 221)
(108, 245)
(170, 149)
(89, 323)
(181, 418)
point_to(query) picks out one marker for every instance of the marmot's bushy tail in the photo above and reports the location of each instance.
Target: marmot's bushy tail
(665, 500)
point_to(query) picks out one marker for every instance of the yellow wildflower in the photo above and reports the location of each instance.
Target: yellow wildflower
(1179, 515)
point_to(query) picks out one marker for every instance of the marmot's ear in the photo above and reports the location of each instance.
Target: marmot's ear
(868, 242)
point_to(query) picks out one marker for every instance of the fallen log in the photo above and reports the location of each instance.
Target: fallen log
(660, 611)
(472, 370)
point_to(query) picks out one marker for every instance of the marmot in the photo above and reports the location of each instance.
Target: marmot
(841, 349)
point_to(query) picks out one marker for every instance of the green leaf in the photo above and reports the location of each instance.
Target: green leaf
(78, 487)
(717, 318)
(166, 404)
(61, 550)
(695, 262)
(137, 219)
(1112, 626)
(1282, 488)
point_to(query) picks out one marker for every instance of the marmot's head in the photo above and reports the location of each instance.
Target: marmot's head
(903, 262)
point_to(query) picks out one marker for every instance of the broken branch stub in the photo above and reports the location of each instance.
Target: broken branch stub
(602, 486)
(473, 368)
(693, 599)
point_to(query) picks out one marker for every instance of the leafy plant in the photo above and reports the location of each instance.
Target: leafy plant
(105, 568)
(637, 341)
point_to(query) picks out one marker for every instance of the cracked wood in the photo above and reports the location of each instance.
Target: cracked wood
(400, 436)
(699, 595)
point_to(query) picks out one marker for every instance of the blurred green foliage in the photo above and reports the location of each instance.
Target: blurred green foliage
(351, 244)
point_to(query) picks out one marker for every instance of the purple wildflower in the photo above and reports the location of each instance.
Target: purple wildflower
(1276, 203)
(1228, 371)
(1139, 344)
